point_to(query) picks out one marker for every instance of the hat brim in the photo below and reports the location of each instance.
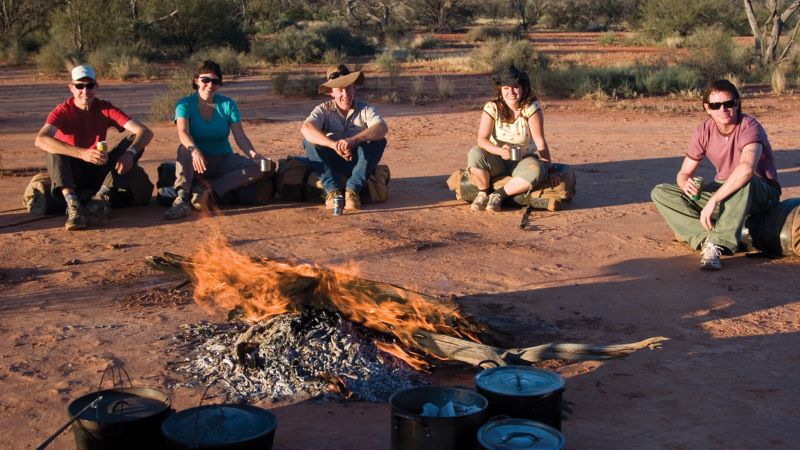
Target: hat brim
(356, 78)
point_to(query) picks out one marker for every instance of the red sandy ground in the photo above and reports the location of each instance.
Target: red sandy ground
(606, 270)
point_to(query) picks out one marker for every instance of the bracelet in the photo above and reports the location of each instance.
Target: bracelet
(192, 148)
(132, 150)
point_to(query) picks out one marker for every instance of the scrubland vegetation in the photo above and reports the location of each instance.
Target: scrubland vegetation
(138, 39)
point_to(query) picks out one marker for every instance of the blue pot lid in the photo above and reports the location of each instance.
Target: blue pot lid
(218, 424)
(520, 434)
(519, 381)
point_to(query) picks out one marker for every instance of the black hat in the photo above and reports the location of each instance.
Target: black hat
(509, 76)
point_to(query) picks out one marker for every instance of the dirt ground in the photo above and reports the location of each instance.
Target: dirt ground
(605, 270)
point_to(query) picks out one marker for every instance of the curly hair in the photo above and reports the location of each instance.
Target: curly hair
(505, 114)
(207, 66)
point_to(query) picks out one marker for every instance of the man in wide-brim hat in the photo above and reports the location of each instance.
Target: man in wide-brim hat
(344, 136)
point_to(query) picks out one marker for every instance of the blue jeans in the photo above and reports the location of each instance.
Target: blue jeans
(329, 165)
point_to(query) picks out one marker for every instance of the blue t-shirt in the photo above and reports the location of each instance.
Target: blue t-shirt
(210, 137)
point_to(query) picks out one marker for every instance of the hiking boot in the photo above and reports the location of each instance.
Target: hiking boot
(200, 197)
(479, 204)
(99, 205)
(329, 199)
(352, 201)
(78, 217)
(711, 254)
(494, 202)
(180, 208)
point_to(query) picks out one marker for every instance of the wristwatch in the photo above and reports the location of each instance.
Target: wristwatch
(132, 150)
(192, 148)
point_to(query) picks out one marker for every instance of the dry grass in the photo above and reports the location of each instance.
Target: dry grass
(778, 80)
(445, 87)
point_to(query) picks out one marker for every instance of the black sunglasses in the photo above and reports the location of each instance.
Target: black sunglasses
(715, 106)
(342, 71)
(214, 81)
(80, 86)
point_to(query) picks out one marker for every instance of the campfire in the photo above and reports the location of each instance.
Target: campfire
(305, 331)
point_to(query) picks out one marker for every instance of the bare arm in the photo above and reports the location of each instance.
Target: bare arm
(376, 132)
(314, 135)
(686, 174)
(536, 125)
(243, 142)
(46, 141)
(198, 162)
(740, 176)
(143, 137)
(485, 132)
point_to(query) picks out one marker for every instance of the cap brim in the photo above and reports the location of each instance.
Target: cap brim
(356, 78)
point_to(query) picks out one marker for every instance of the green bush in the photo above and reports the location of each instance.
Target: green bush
(714, 53)
(308, 45)
(52, 58)
(486, 32)
(334, 57)
(579, 81)
(390, 65)
(504, 51)
(307, 84)
(424, 42)
(227, 58)
(279, 81)
(606, 39)
(180, 85)
(682, 17)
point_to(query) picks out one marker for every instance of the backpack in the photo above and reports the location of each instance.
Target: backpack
(259, 192)
(38, 197)
(541, 196)
(296, 181)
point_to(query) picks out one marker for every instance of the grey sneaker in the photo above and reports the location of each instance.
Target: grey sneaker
(494, 202)
(711, 254)
(479, 204)
(78, 217)
(180, 208)
(99, 205)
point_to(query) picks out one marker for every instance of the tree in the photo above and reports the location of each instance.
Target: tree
(198, 23)
(528, 11)
(440, 14)
(767, 36)
(20, 17)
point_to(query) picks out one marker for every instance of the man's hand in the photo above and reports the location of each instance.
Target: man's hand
(554, 176)
(343, 146)
(505, 152)
(705, 214)
(94, 156)
(690, 188)
(124, 162)
(198, 162)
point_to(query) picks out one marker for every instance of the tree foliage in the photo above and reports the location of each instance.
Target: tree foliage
(661, 18)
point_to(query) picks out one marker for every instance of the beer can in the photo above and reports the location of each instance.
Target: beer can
(338, 205)
(102, 147)
(698, 181)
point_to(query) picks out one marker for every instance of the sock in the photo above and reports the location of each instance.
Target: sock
(72, 199)
(104, 190)
(502, 192)
(184, 194)
(487, 191)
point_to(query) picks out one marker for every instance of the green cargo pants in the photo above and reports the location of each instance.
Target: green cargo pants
(683, 214)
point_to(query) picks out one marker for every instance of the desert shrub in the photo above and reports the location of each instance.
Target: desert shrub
(291, 45)
(279, 81)
(180, 85)
(338, 37)
(52, 58)
(606, 39)
(13, 52)
(664, 80)
(424, 41)
(227, 58)
(580, 81)
(334, 57)
(714, 53)
(199, 24)
(778, 80)
(392, 67)
(483, 33)
(503, 51)
(674, 41)
(445, 87)
(307, 84)
(683, 17)
(418, 86)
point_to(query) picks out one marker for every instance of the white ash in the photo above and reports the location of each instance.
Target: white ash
(294, 357)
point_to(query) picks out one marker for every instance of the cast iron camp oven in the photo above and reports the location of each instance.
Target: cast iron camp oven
(122, 419)
(413, 431)
(522, 392)
(519, 434)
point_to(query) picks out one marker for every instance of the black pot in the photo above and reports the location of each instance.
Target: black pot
(413, 431)
(124, 419)
(523, 392)
(519, 434)
(228, 427)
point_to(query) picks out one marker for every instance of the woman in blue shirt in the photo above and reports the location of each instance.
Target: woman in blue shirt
(205, 120)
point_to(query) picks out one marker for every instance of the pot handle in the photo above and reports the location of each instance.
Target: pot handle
(500, 417)
(409, 417)
(488, 361)
(465, 387)
(516, 434)
(119, 371)
(197, 415)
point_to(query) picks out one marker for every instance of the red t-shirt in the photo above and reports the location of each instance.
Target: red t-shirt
(85, 129)
(725, 155)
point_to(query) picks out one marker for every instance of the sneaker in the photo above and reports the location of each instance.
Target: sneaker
(479, 204)
(329, 199)
(200, 197)
(711, 254)
(494, 202)
(99, 205)
(78, 217)
(180, 208)
(352, 201)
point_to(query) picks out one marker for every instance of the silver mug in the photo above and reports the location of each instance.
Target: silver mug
(516, 153)
(266, 165)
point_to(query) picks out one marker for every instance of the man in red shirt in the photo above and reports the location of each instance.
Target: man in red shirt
(746, 181)
(69, 139)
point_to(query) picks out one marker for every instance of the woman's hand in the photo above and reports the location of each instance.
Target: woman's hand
(505, 152)
(198, 162)
(553, 176)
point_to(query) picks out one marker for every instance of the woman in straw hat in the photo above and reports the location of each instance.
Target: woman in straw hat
(344, 136)
(205, 119)
(512, 120)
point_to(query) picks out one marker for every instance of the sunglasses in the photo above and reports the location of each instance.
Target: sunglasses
(214, 81)
(728, 105)
(342, 71)
(80, 86)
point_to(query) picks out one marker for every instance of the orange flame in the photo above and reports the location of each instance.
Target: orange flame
(226, 279)
(410, 358)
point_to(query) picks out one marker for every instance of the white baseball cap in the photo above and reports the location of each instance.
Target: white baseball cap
(83, 72)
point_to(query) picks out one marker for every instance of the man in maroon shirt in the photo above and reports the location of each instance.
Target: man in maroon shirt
(69, 139)
(746, 181)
